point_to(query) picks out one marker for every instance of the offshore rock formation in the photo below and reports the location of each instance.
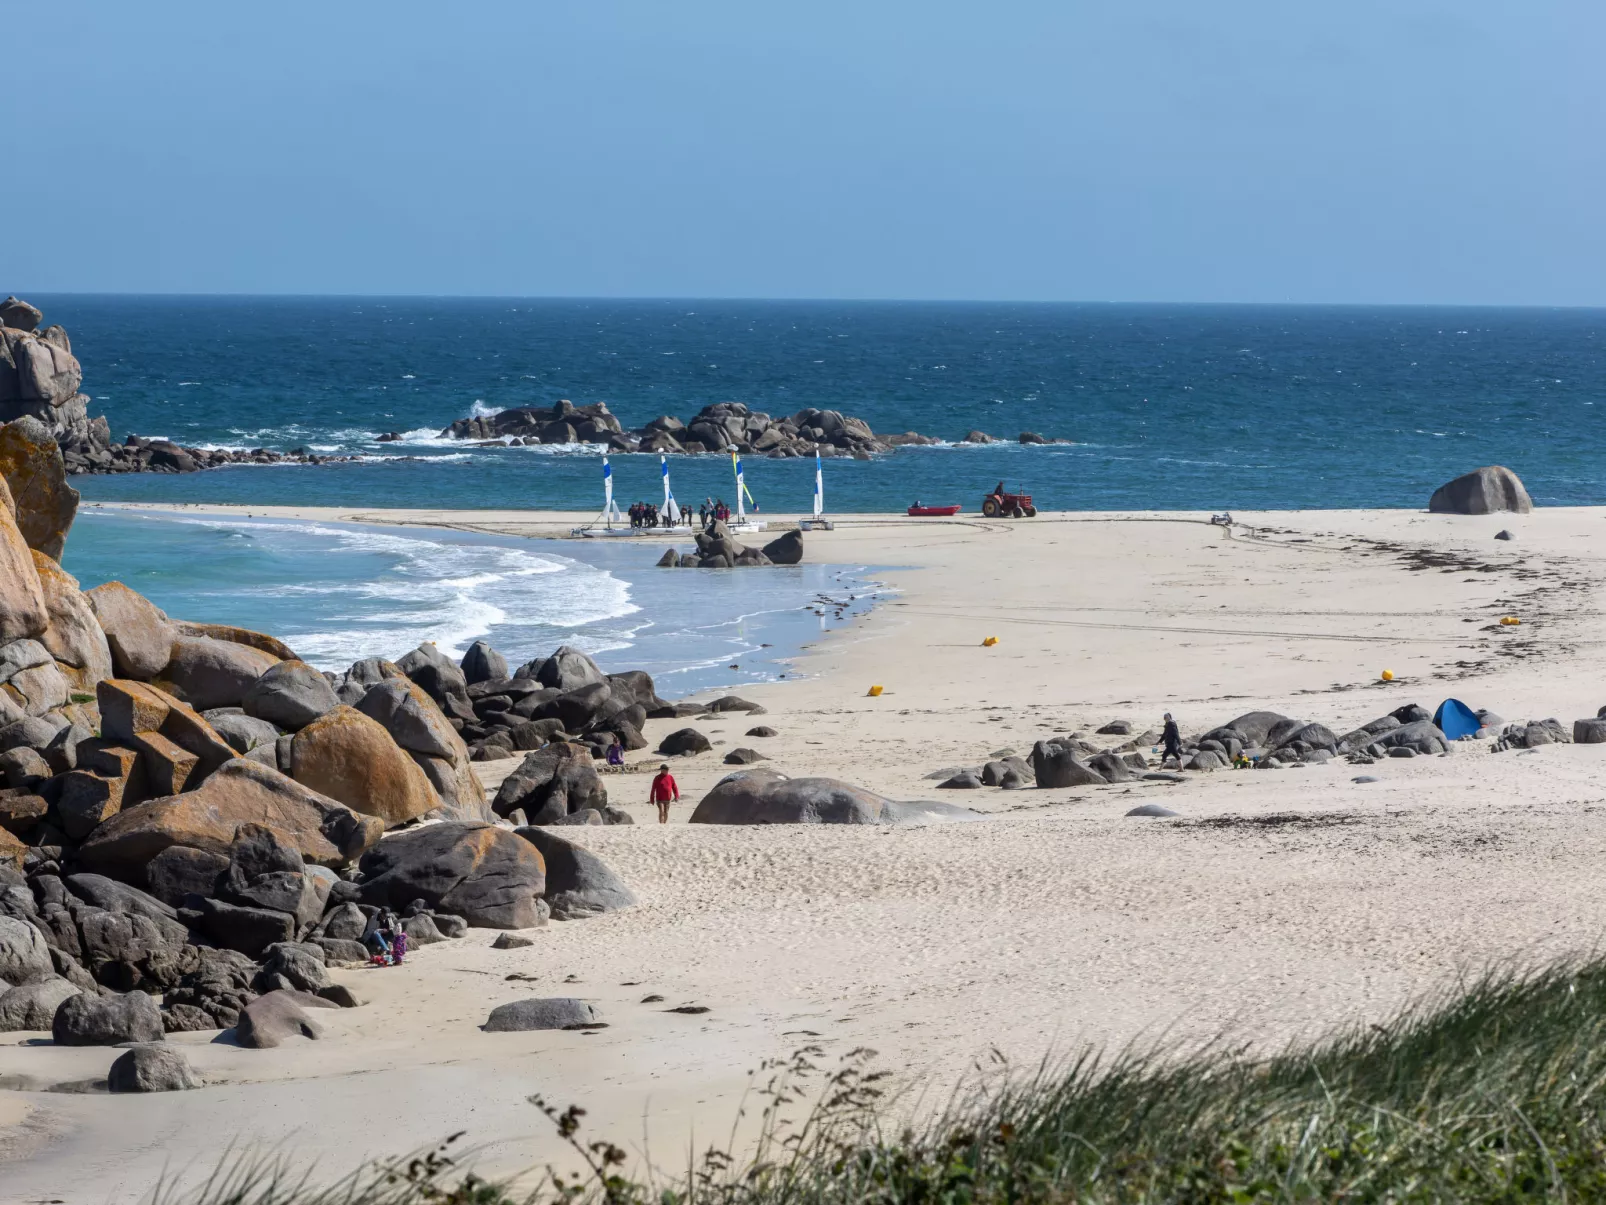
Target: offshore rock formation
(39, 379)
(713, 429)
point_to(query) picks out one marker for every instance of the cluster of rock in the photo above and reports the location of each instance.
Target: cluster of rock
(714, 428)
(718, 549)
(1534, 733)
(194, 822)
(39, 380)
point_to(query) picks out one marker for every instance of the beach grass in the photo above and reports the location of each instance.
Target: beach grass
(1489, 1093)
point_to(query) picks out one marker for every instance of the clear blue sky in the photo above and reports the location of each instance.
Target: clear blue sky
(1244, 150)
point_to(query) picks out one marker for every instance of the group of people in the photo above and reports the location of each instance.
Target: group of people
(647, 514)
(713, 510)
(387, 939)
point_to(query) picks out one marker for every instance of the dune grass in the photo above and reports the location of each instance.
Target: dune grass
(1492, 1093)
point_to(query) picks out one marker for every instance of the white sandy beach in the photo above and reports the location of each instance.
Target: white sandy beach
(1279, 905)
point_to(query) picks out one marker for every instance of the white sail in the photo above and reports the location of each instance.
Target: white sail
(670, 509)
(819, 487)
(610, 512)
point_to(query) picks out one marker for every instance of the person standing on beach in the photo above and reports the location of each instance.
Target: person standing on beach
(663, 792)
(1171, 739)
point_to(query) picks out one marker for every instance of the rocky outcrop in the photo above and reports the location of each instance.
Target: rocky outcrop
(31, 464)
(22, 603)
(1482, 492)
(717, 548)
(351, 758)
(208, 673)
(72, 634)
(552, 784)
(137, 631)
(714, 428)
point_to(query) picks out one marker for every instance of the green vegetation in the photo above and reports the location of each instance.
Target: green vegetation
(1491, 1094)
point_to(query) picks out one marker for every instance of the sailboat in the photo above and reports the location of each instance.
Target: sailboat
(610, 510)
(819, 522)
(740, 521)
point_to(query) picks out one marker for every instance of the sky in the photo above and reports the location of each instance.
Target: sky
(1374, 151)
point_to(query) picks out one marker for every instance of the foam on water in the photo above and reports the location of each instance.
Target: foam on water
(337, 593)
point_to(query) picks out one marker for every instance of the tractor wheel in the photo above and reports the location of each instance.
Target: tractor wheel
(1031, 512)
(990, 507)
(1016, 512)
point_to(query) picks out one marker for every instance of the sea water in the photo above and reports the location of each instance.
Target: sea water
(1194, 407)
(338, 592)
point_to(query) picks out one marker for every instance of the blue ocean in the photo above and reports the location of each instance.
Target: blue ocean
(1164, 407)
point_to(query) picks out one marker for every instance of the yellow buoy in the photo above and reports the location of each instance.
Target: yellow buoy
(1388, 675)
(1510, 621)
(989, 642)
(875, 692)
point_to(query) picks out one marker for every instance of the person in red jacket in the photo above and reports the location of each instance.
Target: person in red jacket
(663, 792)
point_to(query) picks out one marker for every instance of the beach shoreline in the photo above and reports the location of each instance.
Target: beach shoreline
(1278, 906)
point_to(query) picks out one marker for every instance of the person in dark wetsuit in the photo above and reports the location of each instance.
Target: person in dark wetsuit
(1171, 738)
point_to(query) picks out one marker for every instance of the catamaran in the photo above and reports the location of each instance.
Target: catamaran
(819, 522)
(743, 495)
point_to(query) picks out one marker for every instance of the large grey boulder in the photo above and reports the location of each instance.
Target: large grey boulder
(482, 663)
(566, 669)
(33, 1005)
(764, 796)
(269, 1020)
(290, 695)
(786, 549)
(1055, 764)
(208, 673)
(1589, 732)
(552, 783)
(684, 742)
(24, 956)
(489, 876)
(1420, 736)
(152, 1067)
(440, 677)
(243, 732)
(1482, 492)
(578, 883)
(85, 1020)
(559, 1012)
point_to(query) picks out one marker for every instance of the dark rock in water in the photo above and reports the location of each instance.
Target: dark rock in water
(558, 1012)
(1503, 534)
(269, 1020)
(670, 559)
(511, 941)
(487, 875)
(289, 695)
(761, 730)
(744, 757)
(786, 549)
(1055, 764)
(1151, 809)
(86, 1020)
(1482, 492)
(1031, 437)
(482, 663)
(578, 883)
(961, 782)
(152, 1067)
(684, 741)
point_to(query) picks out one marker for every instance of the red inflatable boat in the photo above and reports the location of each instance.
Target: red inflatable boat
(932, 512)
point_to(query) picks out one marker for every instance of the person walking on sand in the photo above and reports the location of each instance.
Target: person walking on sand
(663, 792)
(1171, 739)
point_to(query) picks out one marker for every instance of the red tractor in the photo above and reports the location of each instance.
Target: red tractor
(1001, 502)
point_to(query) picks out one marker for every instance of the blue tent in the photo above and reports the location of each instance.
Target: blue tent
(1455, 719)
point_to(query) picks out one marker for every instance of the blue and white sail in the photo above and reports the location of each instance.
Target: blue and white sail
(670, 509)
(741, 487)
(610, 511)
(819, 487)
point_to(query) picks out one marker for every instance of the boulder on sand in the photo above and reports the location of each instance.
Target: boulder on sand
(406, 711)
(140, 636)
(152, 1067)
(89, 1020)
(684, 741)
(327, 833)
(786, 549)
(1482, 492)
(763, 796)
(349, 757)
(24, 956)
(268, 1020)
(33, 1005)
(1055, 764)
(558, 1012)
(552, 783)
(578, 883)
(289, 695)
(489, 876)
